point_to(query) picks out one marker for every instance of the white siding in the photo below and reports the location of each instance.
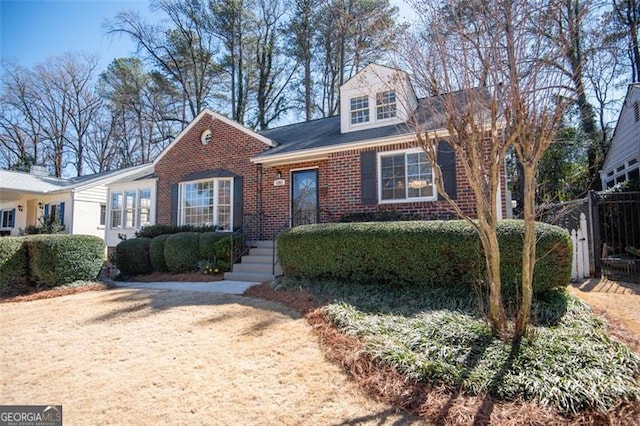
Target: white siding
(86, 218)
(625, 145)
(97, 194)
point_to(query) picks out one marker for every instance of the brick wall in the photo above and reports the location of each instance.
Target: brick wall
(338, 178)
(230, 149)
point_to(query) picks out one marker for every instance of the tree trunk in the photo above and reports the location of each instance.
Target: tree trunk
(528, 249)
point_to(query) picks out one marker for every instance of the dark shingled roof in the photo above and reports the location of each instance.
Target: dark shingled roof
(325, 132)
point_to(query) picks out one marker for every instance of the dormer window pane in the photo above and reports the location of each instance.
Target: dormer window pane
(359, 110)
(386, 105)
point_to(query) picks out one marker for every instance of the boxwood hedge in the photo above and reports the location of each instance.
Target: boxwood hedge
(182, 252)
(156, 253)
(132, 256)
(439, 253)
(61, 259)
(14, 266)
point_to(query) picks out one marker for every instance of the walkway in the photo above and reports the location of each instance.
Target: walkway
(224, 286)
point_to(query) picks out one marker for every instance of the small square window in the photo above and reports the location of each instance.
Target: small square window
(386, 105)
(359, 110)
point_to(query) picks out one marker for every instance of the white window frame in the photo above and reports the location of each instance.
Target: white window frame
(384, 107)
(133, 211)
(407, 199)
(362, 105)
(215, 204)
(142, 208)
(102, 220)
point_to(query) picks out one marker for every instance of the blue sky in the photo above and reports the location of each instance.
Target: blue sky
(33, 30)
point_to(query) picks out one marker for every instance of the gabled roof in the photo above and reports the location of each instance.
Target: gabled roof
(614, 140)
(303, 140)
(14, 184)
(216, 116)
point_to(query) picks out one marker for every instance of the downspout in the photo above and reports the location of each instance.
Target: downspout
(73, 208)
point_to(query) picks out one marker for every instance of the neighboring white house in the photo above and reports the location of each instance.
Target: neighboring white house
(79, 203)
(622, 162)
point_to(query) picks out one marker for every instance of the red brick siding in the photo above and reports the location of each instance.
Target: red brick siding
(338, 178)
(230, 149)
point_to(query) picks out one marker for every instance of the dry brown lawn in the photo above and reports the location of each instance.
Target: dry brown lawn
(172, 357)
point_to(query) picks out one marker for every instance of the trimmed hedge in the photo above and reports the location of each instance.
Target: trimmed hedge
(153, 231)
(14, 266)
(61, 259)
(156, 253)
(439, 253)
(182, 252)
(132, 256)
(208, 243)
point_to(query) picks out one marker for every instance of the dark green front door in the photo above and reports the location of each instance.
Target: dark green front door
(304, 197)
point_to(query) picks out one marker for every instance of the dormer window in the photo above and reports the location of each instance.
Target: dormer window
(359, 110)
(386, 105)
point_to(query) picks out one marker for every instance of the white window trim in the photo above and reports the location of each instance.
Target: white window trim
(434, 197)
(395, 104)
(181, 187)
(123, 209)
(368, 108)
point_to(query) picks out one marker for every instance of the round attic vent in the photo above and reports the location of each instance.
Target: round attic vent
(205, 137)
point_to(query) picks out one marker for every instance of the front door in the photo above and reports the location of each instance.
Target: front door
(304, 197)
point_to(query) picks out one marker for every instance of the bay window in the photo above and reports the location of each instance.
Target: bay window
(207, 202)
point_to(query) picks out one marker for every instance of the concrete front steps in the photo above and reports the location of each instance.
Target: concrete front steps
(255, 266)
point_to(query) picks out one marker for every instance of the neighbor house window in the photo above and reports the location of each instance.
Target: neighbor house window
(103, 214)
(359, 110)
(386, 105)
(144, 212)
(116, 209)
(7, 218)
(405, 176)
(207, 203)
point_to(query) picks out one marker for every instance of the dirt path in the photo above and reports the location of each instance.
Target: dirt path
(618, 301)
(173, 357)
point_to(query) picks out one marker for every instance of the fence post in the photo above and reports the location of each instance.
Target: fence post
(594, 231)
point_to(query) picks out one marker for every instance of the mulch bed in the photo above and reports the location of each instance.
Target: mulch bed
(438, 405)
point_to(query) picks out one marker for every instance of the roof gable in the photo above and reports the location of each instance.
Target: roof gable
(620, 133)
(215, 116)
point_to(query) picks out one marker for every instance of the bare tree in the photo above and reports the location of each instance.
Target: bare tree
(493, 92)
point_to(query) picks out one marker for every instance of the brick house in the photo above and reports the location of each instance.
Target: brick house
(365, 159)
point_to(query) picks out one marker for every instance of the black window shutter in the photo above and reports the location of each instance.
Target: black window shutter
(174, 204)
(368, 190)
(447, 163)
(237, 203)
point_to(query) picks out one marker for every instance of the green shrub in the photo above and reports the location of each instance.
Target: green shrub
(61, 259)
(132, 256)
(14, 266)
(438, 253)
(379, 216)
(207, 245)
(223, 247)
(182, 252)
(156, 253)
(153, 231)
(46, 225)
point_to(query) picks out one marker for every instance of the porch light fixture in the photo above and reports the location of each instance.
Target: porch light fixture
(40, 206)
(279, 175)
(20, 208)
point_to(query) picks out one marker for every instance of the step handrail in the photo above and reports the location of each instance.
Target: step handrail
(250, 220)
